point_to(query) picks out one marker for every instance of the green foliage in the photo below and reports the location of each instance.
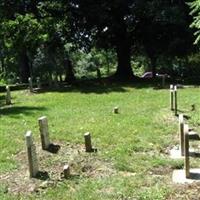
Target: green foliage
(87, 63)
(195, 11)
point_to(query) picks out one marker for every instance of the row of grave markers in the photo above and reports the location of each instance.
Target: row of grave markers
(31, 89)
(45, 142)
(185, 135)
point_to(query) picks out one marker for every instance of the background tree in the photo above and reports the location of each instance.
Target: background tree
(105, 24)
(162, 30)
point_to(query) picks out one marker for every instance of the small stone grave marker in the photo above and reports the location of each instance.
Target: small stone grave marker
(116, 110)
(30, 84)
(175, 101)
(44, 132)
(66, 171)
(32, 156)
(8, 95)
(172, 97)
(88, 143)
(181, 133)
(186, 149)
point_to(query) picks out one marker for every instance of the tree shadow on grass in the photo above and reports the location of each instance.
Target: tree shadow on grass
(103, 87)
(26, 110)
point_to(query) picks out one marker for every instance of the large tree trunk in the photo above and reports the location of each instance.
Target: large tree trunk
(124, 70)
(69, 72)
(123, 49)
(24, 68)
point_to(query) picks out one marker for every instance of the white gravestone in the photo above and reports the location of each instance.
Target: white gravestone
(172, 97)
(181, 133)
(8, 95)
(175, 100)
(44, 132)
(30, 84)
(32, 156)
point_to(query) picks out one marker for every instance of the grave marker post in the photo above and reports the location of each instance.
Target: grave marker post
(175, 100)
(88, 144)
(172, 97)
(116, 110)
(66, 171)
(181, 133)
(186, 148)
(44, 132)
(32, 156)
(8, 95)
(30, 84)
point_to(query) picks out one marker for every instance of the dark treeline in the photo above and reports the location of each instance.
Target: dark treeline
(62, 40)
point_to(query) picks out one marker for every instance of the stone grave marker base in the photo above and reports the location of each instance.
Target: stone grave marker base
(178, 176)
(175, 153)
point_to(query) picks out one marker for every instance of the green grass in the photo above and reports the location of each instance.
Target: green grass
(132, 141)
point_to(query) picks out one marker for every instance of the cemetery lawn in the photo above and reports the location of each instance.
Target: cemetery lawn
(132, 161)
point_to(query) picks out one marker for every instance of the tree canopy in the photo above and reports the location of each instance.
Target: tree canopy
(43, 34)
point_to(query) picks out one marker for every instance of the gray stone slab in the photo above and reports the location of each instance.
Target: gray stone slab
(175, 153)
(178, 176)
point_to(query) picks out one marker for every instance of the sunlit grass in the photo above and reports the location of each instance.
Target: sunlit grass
(133, 140)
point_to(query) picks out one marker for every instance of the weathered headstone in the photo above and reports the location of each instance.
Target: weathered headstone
(32, 156)
(181, 133)
(172, 97)
(186, 148)
(38, 82)
(116, 110)
(8, 95)
(88, 144)
(30, 84)
(44, 132)
(175, 100)
(66, 171)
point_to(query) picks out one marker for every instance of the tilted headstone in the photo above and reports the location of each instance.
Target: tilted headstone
(32, 156)
(8, 95)
(88, 144)
(181, 133)
(30, 84)
(172, 97)
(44, 132)
(38, 82)
(175, 100)
(186, 148)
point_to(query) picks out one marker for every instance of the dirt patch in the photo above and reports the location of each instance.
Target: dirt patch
(82, 164)
(186, 191)
(161, 170)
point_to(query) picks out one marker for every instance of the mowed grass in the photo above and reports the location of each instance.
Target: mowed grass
(133, 142)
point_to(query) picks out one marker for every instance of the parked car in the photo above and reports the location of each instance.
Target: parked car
(150, 75)
(147, 75)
